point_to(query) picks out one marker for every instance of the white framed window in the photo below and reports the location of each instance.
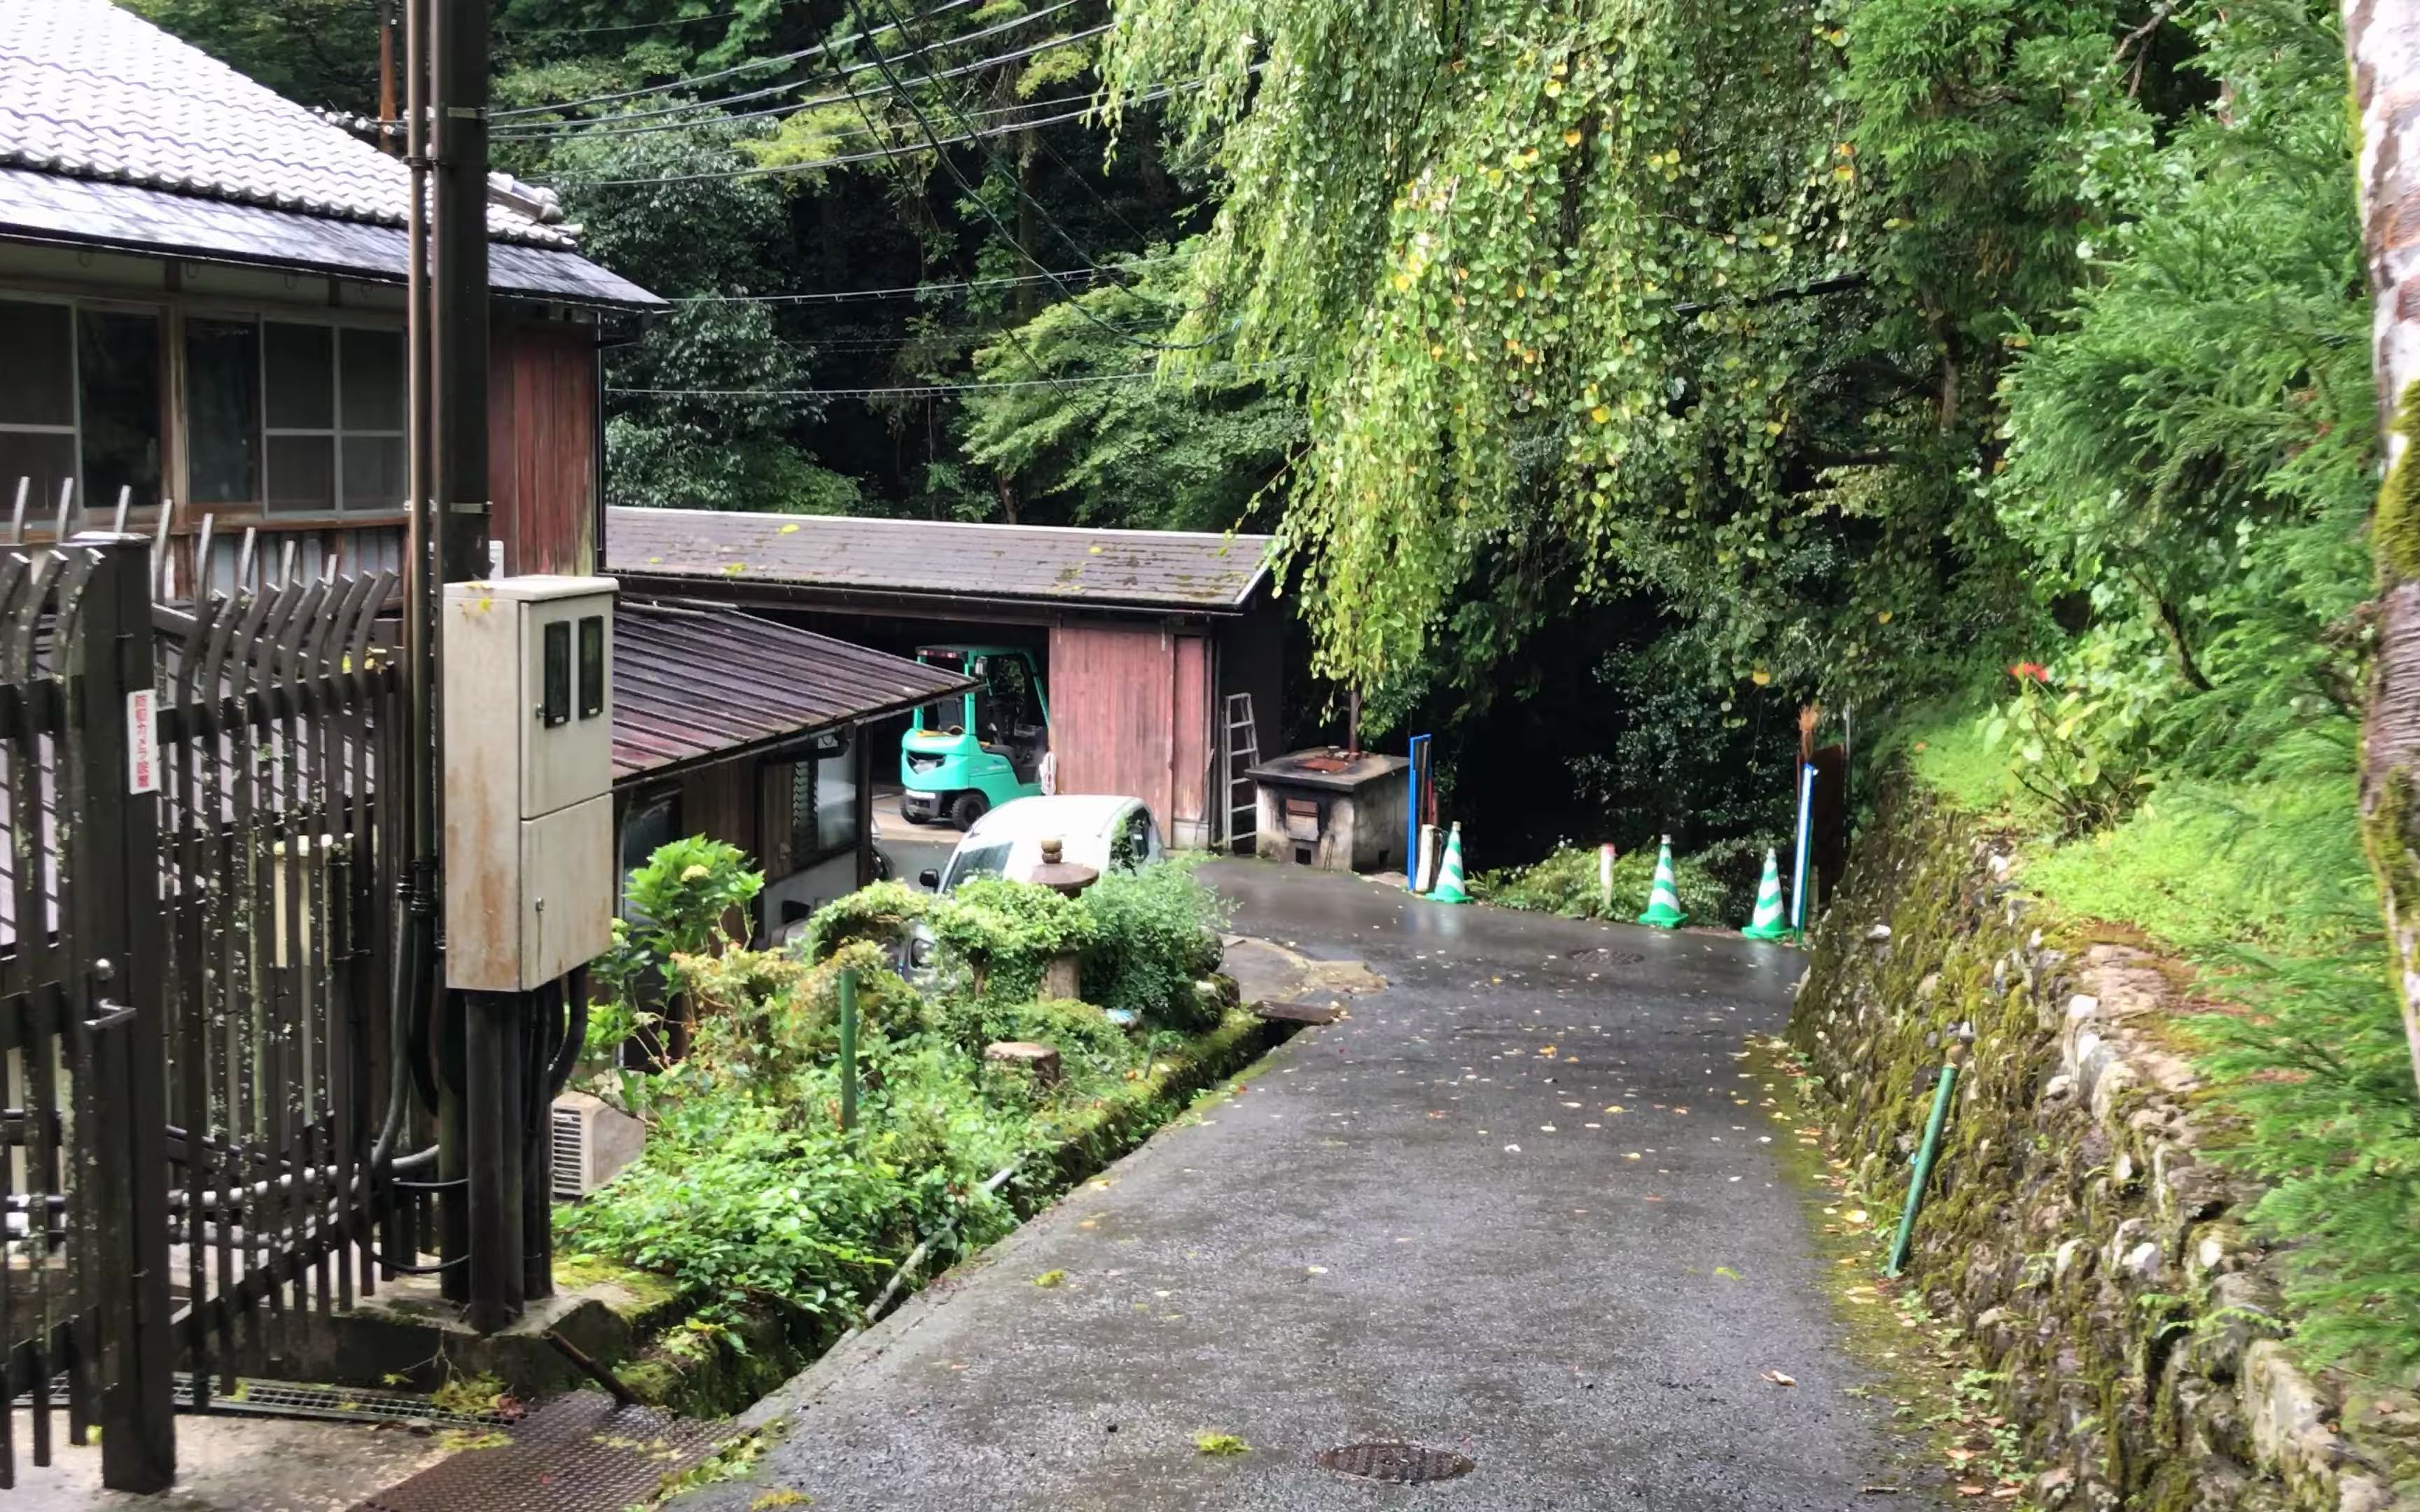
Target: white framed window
(80, 402)
(332, 407)
(652, 821)
(301, 416)
(824, 801)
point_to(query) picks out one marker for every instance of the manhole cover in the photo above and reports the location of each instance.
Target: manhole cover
(1397, 1464)
(1603, 957)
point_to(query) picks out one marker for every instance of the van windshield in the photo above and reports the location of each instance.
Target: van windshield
(982, 861)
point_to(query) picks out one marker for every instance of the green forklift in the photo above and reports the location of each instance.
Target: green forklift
(968, 753)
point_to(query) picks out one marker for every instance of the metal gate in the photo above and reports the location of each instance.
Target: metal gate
(193, 962)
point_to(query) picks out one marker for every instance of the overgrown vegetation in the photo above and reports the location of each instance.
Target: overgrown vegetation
(1568, 883)
(2257, 877)
(2320, 1074)
(752, 1190)
(1621, 375)
(681, 905)
(1152, 937)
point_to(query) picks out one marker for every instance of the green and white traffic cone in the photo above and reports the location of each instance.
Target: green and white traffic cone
(1664, 898)
(1449, 887)
(1768, 923)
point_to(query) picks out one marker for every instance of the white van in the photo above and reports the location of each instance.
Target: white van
(1099, 831)
(1102, 832)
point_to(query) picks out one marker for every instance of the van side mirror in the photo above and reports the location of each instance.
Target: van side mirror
(929, 879)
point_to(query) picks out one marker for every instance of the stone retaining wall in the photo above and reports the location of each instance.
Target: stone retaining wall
(2094, 1258)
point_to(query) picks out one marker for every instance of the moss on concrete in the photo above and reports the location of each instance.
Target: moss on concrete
(1090, 1136)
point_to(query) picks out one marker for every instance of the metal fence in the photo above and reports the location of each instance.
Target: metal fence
(280, 726)
(197, 891)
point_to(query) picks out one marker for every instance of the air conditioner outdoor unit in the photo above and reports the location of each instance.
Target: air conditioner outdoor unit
(592, 1143)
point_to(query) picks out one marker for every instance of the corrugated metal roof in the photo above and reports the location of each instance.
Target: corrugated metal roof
(1160, 569)
(692, 682)
(93, 93)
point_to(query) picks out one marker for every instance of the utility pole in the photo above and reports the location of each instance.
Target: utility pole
(387, 144)
(458, 266)
(485, 1054)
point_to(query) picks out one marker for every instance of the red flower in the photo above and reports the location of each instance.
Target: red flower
(2034, 669)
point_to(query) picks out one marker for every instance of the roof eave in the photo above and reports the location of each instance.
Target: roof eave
(775, 745)
(792, 591)
(220, 258)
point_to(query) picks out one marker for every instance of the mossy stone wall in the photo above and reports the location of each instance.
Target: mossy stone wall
(2091, 1256)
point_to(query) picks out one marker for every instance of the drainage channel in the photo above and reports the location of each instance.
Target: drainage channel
(574, 1453)
(333, 1404)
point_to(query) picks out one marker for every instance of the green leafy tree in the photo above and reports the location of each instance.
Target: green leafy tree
(1089, 434)
(707, 404)
(2382, 44)
(319, 53)
(2190, 442)
(1600, 299)
(684, 901)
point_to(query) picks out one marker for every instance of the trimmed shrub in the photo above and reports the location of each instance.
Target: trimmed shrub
(880, 913)
(1153, 933)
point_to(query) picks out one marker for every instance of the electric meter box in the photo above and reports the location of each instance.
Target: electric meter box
(529, 772)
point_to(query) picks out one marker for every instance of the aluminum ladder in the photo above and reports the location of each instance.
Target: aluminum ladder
(1243, 752)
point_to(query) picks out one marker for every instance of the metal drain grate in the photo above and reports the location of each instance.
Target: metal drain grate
(279, 1398)
(1397, 1464)
(578, 1451)
(338, 1404)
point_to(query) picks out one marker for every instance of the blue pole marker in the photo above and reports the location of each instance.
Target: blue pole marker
(1419, 752)
(1798, 862)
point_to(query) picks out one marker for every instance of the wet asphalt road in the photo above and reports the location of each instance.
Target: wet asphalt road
(1416, 1223)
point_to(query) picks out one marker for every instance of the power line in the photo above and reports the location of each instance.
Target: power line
(747, 66)
(989, 214)
(907, 390)
(1015, 341)
(908, 290)
(844, 159)
(970, 336)
(613, 125)
(623, 27)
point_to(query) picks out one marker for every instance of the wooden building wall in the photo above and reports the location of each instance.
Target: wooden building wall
(541, 468)
(542, 446)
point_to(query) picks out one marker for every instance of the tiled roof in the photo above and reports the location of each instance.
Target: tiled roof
(692, 683)
(88, 90)
(124, 217)
(936, 559)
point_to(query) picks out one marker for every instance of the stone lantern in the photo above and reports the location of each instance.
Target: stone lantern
(1057, 874)
(1060, 978)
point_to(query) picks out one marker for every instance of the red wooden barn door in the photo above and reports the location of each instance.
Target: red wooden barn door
(1189, 811)
(1112, 701)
